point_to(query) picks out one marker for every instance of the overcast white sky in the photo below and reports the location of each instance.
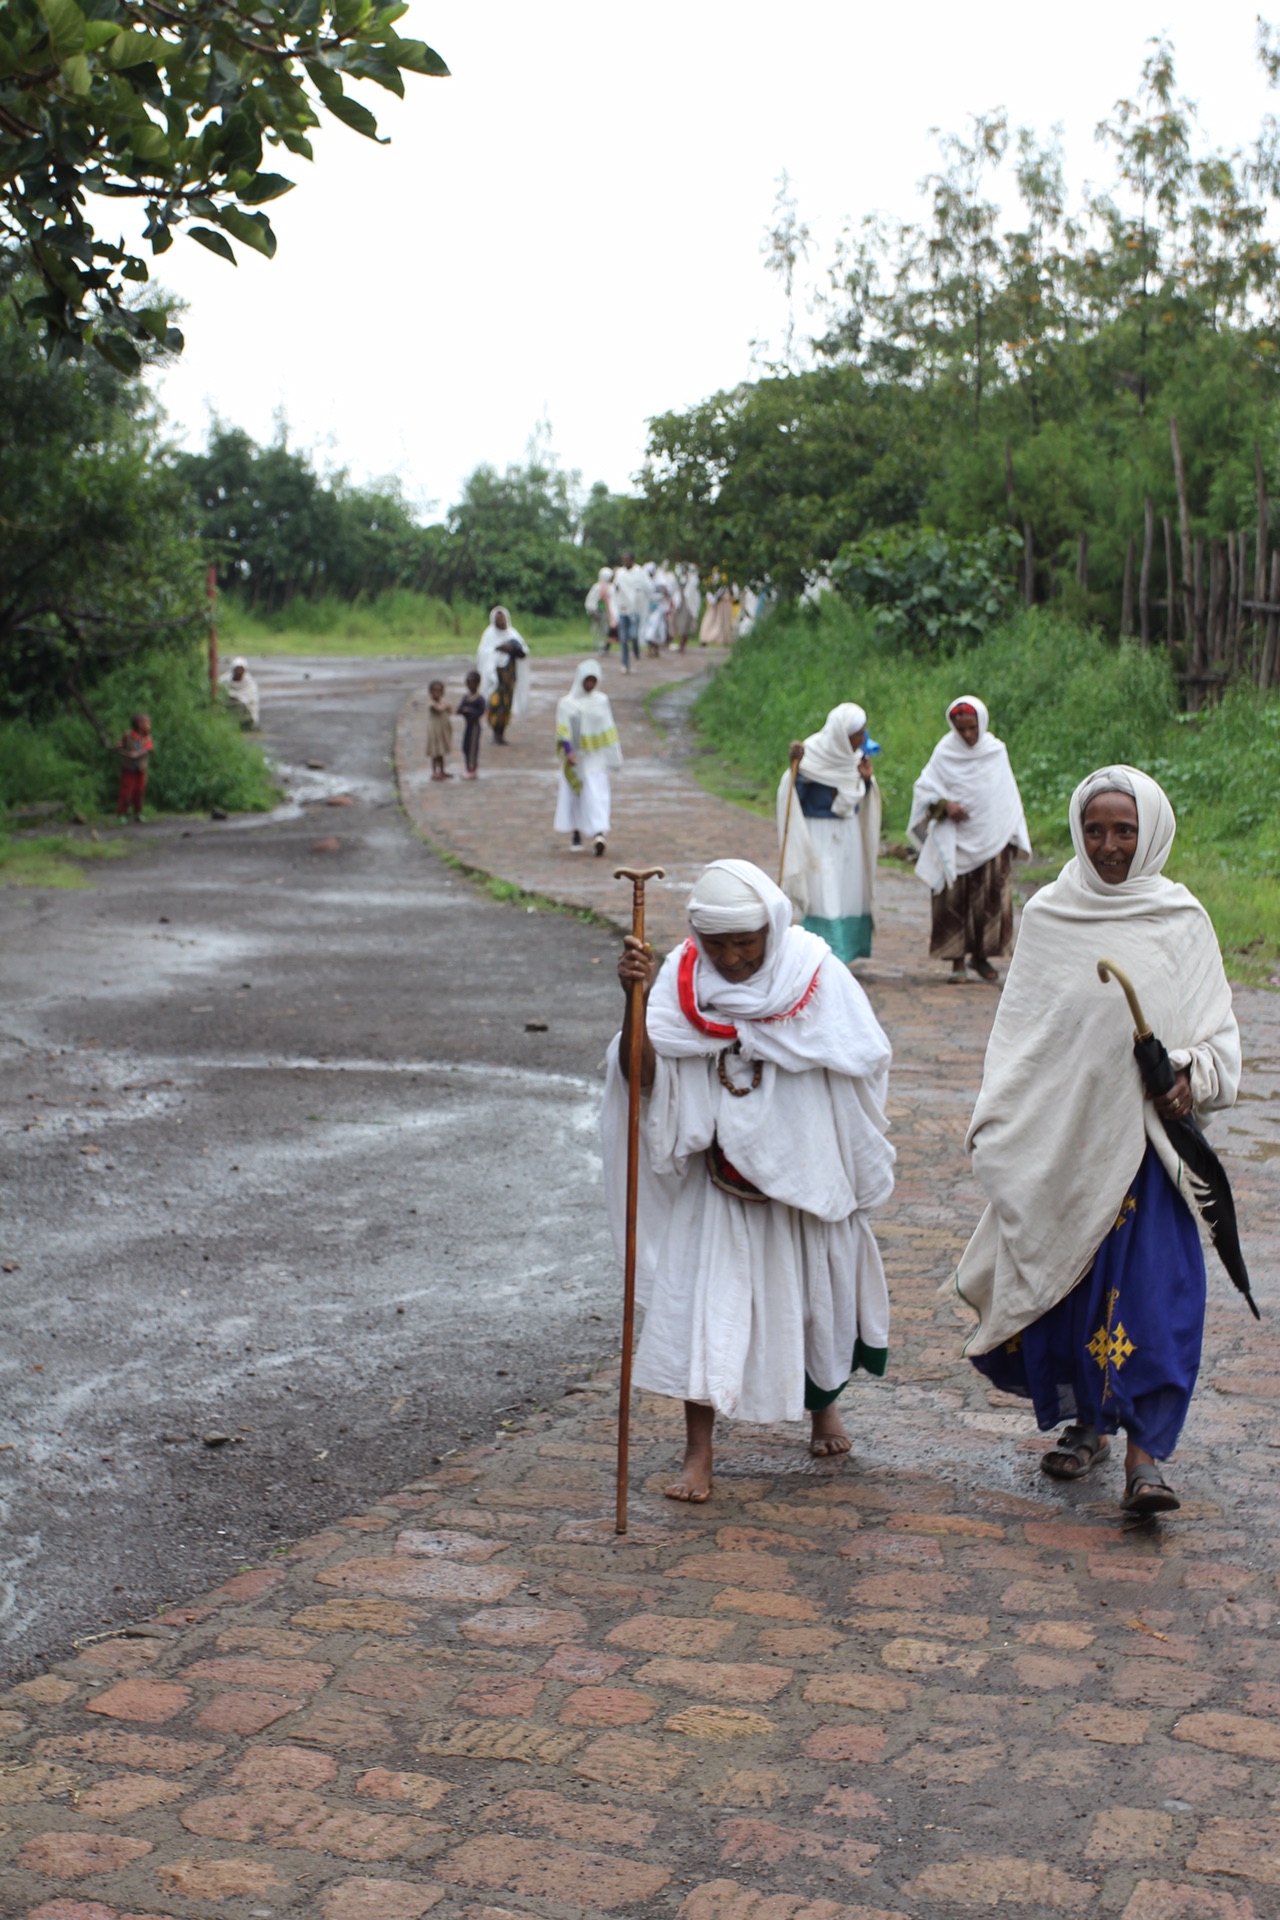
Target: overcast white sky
(570, 226)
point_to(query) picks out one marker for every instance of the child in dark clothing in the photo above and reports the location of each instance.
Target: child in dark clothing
(472, 709)
(135, 751)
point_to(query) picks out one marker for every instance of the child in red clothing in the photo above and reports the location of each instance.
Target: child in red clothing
(135, 751)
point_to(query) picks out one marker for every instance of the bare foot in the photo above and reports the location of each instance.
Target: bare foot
(694, 1483)
(828, 1436)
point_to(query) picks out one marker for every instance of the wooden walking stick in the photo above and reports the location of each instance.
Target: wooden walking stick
(635, 1003)
(786, 824)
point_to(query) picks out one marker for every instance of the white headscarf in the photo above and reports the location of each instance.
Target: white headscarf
(981, 780)
(1061, 1124)
(832, 762)
(585, 720)
(796, 1010)
(487, 660)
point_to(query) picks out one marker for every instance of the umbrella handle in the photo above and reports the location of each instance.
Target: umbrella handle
(1108, 970)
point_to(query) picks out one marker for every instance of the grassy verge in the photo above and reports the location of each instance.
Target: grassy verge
(52, 859)
(396, 625)
(1065, 702)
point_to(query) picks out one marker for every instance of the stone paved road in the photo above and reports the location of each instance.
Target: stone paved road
(921, 1683)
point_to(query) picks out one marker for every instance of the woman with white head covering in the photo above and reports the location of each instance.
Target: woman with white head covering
(503, 660)
(829, 831)
(1085, 1270)
(763, 1153)
(588, 752)
(241, 690)
(967, 821)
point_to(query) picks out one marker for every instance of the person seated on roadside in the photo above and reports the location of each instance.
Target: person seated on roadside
(1086, 1271)
(762, 1155)
(241, 689)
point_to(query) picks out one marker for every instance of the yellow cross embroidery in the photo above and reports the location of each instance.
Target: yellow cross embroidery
(1111, 1348)
(1127, 1206)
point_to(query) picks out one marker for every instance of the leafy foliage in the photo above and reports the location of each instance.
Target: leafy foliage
(972, 371)
(98, 550)
(928, 589)
(169, 104)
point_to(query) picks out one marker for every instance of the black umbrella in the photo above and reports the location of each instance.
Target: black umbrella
(1210, 1188)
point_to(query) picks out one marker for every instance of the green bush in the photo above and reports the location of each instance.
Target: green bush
(203, 759)
(928, 589)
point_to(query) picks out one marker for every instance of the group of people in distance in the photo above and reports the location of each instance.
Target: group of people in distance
(764, 1149)
(655, 606)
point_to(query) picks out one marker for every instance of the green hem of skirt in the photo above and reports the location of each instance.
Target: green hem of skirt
(848, 938)
(870, 1359)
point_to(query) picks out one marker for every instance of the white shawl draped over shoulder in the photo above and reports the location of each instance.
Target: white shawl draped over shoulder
(831, 762)
(981, 780)
(1061, 1123)
(487, 662)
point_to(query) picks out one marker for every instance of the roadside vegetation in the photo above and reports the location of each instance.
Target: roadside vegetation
(398, 623)
(1064, 699)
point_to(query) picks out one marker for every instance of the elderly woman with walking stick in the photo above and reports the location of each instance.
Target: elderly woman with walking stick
(762, 1155)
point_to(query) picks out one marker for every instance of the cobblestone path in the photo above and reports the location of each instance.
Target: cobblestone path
(919, 1683)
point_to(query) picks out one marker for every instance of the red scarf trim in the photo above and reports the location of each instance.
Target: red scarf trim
(713, 1028)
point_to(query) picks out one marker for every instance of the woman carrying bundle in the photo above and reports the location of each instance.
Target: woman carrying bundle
(829, 832)
(588, 752)
(762, 1155)
(503, 660)
(967, 821)
(1086, 1270)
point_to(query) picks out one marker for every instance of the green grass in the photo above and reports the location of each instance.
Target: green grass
(393, 625)
(203, 758)
(52, 859)
(1065, 701)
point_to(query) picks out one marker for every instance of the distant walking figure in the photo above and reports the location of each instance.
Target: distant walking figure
(472, 708)
(503, 660)
(967, 820)
(135, 750)
(588, 750)
(832, 838)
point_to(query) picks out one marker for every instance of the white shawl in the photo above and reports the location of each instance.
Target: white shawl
(584, 721)
(981, 780)
(487, 662)
(830, 761)
(1061, 1124)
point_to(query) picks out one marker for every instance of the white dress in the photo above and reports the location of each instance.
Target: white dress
(743, 1298)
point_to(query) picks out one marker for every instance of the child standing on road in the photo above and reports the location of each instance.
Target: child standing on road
(135, 750)
(473, 710)
(439, 731)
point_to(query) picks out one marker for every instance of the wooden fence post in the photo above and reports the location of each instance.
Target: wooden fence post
(1126, 592)
(1184, 529)
(1170, 602)
(1028, 565)
(1144, 578)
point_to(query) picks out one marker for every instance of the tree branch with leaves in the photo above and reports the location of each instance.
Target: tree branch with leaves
(169, 104)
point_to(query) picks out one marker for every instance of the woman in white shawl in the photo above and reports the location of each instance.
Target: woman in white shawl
(829, 832)
(599, 604)
(967, 821)
(1086, 1270)
(763, 1152)
(503, 660)
(588, 752)
(241, 690)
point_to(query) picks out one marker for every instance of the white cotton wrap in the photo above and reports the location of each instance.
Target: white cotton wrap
(978, 778)
(1061, 1123)
(741, 1299)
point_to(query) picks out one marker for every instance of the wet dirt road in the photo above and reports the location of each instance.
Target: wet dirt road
(282, 1169)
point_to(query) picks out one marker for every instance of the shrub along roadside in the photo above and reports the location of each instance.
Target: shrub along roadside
(202, 757)
(1064, 701)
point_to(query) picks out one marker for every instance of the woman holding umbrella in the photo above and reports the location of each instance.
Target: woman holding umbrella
(1086, 1271)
